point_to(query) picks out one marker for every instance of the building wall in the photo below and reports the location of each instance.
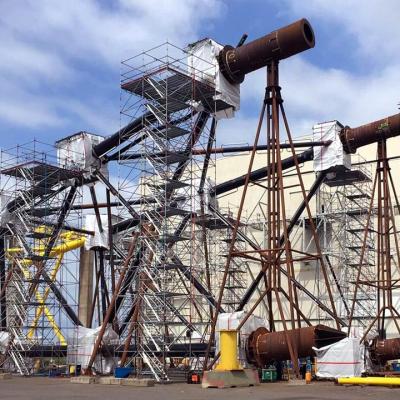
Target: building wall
(309, 273)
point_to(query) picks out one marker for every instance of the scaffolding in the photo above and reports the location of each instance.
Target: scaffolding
(342, 209)
(39, 255)
(166, 305)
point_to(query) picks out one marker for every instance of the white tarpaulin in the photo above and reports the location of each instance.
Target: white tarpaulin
(342, 359)
(5, 216)
(326, 157)
(203, 63)
(99, 239)
(4, 340)
(230, 321)
(75, 152)
(81, 347)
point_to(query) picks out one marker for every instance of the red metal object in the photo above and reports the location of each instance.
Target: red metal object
(353, 138)
(285, 42)
(264, 347)
(383, 350)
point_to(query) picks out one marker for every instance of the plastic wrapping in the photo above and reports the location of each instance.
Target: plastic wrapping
(81, 347)
(203, 63)
(342, 359)
(4, 341)
(99, 239)
(231, 321)
(75, 152)
(5, 216)
(326, 157)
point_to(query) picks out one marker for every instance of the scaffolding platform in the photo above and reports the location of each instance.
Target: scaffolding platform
(211, 222)
(39, 172)
(347, 177)
(173, 85)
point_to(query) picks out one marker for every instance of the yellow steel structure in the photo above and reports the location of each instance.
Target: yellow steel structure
(43, 309)
(68, 241)
(370, 380)
(228, 342)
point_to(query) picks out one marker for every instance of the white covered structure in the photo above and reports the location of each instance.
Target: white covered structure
(326, 157)
(75, 152)
(203, 63)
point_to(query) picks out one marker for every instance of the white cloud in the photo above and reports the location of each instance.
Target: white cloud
(238, 131)
(314, 94)
(48, 47)
(373, 24)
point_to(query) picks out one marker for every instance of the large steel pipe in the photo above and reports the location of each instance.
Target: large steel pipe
(353, 138)
(260, 173)
(235, 63)
(264, 347)
(383, 350)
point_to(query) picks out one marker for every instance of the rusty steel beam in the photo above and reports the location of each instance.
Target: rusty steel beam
(229, 149)
(285, 42)
(382, 350)
(264, 347)
(354, 138)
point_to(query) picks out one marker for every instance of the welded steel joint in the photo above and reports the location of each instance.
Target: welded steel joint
(285, 42)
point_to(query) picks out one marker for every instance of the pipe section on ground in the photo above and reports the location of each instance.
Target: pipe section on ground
(382, 350)
(264, 347)
(370, 381)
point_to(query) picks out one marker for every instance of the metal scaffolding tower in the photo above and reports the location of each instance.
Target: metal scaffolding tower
(342, 210)
(39, 292)
(165, 304)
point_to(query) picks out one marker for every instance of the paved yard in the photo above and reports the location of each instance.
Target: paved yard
(59, 389)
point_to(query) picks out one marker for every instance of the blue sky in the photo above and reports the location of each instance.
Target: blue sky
(61, 60)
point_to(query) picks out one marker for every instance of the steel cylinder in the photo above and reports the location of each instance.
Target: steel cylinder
(228, 343)
(354, 138)
(383, 350)
(235, 63)
(264, 347)
(370, 380)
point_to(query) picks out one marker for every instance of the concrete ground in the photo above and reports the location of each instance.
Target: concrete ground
(60, 388)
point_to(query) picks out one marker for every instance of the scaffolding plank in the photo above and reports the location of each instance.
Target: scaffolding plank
(169, 157)
(39, 171)
(343, 178)
(178, 86)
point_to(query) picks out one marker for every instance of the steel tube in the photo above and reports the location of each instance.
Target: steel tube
(260, 173)
(354, 138)
(285, 42)
(369, 380)
(383, 350)
(264, 347)
(228, 149)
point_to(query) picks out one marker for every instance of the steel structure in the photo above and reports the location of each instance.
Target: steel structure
(163, 259)
(278, 256)
(39, 292)
(386, 278)
(166, 295)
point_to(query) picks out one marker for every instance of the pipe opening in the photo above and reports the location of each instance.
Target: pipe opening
(308, 33)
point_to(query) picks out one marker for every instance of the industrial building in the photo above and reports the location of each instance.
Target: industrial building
(152, 254)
